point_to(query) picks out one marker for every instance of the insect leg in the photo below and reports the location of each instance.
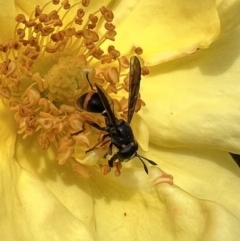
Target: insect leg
(78, 132)
(112, 160)
(105, 136)
(87, 73)
(95, 125)
(91, 123)
(109, 152)
(92, 148)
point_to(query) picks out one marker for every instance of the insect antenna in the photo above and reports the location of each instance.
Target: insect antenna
(144, 165)
(89, 81)
(150, 161)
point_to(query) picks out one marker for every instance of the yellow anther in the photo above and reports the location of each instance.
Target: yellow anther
(33, 41)
(53, 15)
(124, 62)
(55, 2)
(138, 51)
(38, 11)
(5, 92)
(89, 44)
(65, 4)
(111, 75)
(97, 53)
(58, 23)
(107, 14)
(91, 26)
(144, 70)
(80, 13)
(52, 49)
(15, 45)
(21, 33)
(38, 27)
(20, 18)
(55, 37)
(85, 3)
(110, 35)
(78, 20)
(109, 26)
(78, 34)
(45, 31)
(43, 17)
(88, 34)
(30, 23)
(69, 32)
(93, 18)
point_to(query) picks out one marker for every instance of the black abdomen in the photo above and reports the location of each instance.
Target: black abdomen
(90, 102)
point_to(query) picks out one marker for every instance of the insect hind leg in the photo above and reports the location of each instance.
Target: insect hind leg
(102, 142)
(91, 123)
(79, 132)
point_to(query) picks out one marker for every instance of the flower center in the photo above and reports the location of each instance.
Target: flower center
(57, 54)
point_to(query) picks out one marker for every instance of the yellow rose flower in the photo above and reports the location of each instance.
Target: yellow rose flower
(191, 104)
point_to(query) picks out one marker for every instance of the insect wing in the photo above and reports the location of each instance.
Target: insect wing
(108, 105)
(134, 85)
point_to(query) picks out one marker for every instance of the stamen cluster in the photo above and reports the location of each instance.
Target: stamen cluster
(45, 67)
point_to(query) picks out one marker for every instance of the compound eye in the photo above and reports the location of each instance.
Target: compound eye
(128, 152)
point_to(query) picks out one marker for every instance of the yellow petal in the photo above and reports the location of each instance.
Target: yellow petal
(140, 131)
(192, 218)
(132, 200)
(7, 19)
(42, 195)
(195, 101)
(228, 11)
(166, 31)
(27, 204)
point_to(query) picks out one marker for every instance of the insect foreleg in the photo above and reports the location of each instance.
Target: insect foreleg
(112, 160)
(109, 152)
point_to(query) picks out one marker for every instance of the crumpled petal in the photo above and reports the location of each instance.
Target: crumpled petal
(198, 98)
(166, 31)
